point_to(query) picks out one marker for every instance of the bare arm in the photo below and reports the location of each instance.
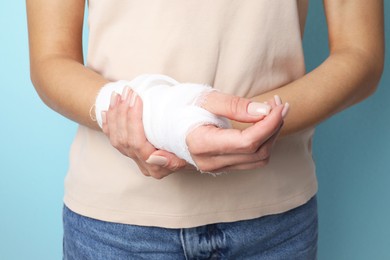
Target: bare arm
(56, 58)
(68, 87)
(350, 73)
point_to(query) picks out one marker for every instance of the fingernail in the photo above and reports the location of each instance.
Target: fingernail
(285, 109)
(257, 109)
(157, 160)
(104, 117)
(133, 99)
(125, 93)
(278, 100)
(113, 99)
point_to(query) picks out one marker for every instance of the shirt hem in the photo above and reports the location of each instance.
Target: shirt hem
(189, 221)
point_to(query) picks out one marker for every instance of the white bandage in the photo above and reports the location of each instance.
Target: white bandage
(170, 110)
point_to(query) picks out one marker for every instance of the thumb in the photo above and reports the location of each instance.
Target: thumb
(167, 160)
(235, 108)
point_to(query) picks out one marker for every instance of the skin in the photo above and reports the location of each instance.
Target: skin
(351, 72)
(349, 75)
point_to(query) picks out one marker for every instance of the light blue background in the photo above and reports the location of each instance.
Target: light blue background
(352, 151)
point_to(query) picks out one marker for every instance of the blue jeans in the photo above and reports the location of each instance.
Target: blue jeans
(290, 235)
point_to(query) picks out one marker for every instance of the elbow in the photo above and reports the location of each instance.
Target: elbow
(37, 80)
(34, 76)
(364, 65)
(378, 71)
(374, 75)
(36, 71)
(372, 68)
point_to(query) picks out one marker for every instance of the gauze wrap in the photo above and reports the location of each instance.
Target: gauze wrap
(170, 110)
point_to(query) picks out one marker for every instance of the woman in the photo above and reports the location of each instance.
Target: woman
(250, 51)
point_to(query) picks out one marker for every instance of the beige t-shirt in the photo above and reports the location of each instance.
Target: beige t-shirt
(239, 47)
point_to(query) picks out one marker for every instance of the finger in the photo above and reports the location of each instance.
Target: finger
(122, 119)
(234, 107)
(141, 146)
(111, 128)
(278, 100)
(136, 127)
(156, 171)
(285, 110)
(104, 123)
(142, 168)
(271, 102)
(211, 163)
(167, 160)
(210, 140)
(138, 141)
(260, 158)
(263, 130)
(269, 144)
(160, 173)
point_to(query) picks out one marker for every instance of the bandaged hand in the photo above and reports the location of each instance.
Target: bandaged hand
(171, 111)
(122, 123)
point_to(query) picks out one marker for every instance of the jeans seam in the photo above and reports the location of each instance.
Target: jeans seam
(183, 243)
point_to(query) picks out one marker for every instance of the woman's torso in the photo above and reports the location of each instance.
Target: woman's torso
(239, 47)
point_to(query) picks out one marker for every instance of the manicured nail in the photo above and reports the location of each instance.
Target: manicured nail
(157, 160)
(278, 100)
(285, 109)
(125, 93)
(258, 109)
(133, 99)
(114, 96)
(104, 117)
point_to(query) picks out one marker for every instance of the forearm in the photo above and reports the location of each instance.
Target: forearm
(345, 78)
(67, 87)
(351, 72)
(56, 58)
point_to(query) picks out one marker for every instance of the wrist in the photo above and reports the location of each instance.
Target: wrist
(103, 99)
